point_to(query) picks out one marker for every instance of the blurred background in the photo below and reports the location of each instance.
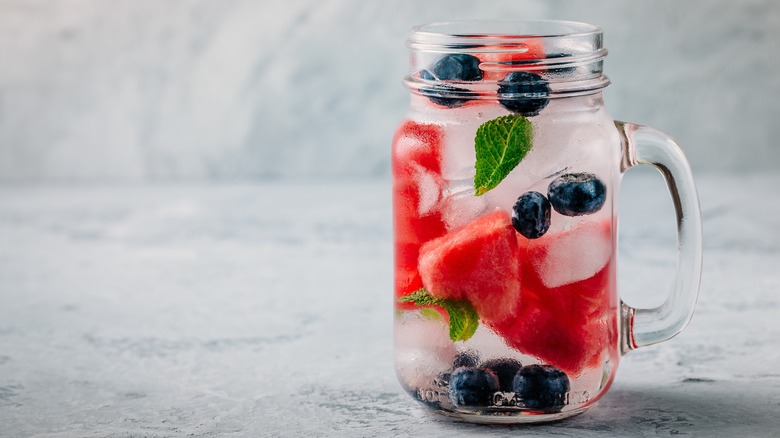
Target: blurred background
(214, 90)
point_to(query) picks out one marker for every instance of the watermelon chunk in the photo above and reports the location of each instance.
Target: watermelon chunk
(540, 330)
(580, 302)
(417, 144)
(572, 270)
(535, 51)
(412, 226)
(571, 326)
(477, 262)
(416, 165)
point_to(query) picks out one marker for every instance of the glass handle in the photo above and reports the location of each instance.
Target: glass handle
(640, 327)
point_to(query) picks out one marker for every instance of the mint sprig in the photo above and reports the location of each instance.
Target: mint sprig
(500, 144)
(464, 320)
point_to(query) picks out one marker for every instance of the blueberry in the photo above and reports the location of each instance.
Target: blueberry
(542, 387)
(505, 369)
(466, 359)
(439, 96)
(471, 386)
(534, 90)
(425, 74)
(457, 67)
(451, 67)
(575, 194)
(531, 215)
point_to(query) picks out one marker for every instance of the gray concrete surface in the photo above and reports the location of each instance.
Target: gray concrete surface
(265, 310)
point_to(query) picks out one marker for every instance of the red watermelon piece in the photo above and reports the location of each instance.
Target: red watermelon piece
(535, 51)
(582, 301)
(416, 165)
(417, 144)
(477, 262)
(411, 225)
(571, 326)
(538, 331)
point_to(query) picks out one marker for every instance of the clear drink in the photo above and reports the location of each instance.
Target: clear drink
(505, 179)
(547, 300)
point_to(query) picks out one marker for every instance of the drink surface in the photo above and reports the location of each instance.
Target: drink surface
(505, 283)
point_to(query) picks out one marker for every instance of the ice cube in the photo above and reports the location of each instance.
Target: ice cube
(573, 255)
(460, 205)
(461, 124)
(459, 213)
(423, 349)
(430, 186)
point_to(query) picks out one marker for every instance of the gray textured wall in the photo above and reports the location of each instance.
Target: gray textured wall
(127, 90)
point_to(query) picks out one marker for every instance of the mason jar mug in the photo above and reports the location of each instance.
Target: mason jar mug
(506, 174)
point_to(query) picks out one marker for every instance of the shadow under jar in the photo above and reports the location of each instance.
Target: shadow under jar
(506, 174)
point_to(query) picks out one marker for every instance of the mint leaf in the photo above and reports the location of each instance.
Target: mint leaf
(464, 320)
(500, 145)
(421, 297)
(431, 314)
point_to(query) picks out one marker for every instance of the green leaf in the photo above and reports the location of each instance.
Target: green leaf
(420, 297)
(464, 320)
(431, 314)
(500, 144)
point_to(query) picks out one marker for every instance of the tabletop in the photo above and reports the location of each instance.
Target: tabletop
(265, 309)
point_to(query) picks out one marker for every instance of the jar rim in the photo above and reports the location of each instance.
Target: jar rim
(567, 55)
(461, 28)
(463, 35)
